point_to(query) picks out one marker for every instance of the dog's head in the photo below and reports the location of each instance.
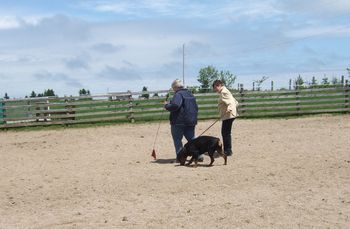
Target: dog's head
(182, 156)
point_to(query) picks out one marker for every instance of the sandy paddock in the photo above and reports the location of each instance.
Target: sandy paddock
(285, 173)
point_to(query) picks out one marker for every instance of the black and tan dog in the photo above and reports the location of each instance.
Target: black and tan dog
(199, 146)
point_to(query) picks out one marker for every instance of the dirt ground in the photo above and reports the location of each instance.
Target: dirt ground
(285, 173)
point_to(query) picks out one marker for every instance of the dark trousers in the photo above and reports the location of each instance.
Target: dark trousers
(226, 135)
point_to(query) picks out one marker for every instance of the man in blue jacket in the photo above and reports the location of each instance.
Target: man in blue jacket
(183, 115)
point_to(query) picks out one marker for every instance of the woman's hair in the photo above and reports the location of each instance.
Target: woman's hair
(217, 83)
(177, 84)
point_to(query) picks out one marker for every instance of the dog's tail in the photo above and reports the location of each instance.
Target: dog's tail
(220, 146)
(220, 150)
(220, 143)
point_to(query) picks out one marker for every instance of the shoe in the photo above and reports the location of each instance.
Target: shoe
(228, 154)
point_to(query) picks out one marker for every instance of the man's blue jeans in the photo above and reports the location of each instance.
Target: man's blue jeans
(178, 131)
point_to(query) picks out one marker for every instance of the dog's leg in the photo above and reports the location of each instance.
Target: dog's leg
(191, 160)
(195, 162)
(211, 155)
(220, 151)
(211, 160)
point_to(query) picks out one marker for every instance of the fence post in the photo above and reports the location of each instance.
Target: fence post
(253, 86)
(346, 102)
(241, 92)
(130, 106)
(41, 107)
(290, 84)
(271, 85)
(342, 80)
(296, 87)
(297, 93)
(241, 89)
(2, 111)
(29, 115)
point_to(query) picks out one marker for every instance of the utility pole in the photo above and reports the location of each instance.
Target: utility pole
(183, 64)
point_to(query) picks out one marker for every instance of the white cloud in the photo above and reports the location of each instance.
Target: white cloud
(47, 76)
(8, 22)
(164, 7)
(321, 7)
(141, 42)
(107, 48)
(113, 7)
(338, 30)
(120, 74)
(49, 33)
(13, 22)
(78, 62)
(219, 11)
(249, 10)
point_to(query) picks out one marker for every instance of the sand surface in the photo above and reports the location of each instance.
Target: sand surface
(285, 173)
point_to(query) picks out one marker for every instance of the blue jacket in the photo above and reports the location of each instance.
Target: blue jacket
(183, 108)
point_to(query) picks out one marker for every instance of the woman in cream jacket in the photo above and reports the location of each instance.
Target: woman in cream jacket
(228, 112)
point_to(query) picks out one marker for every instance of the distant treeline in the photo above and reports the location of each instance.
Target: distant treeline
(207, 75)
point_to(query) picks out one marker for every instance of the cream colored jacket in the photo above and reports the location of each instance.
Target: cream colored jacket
(227, 104)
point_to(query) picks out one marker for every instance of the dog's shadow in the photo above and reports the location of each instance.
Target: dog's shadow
(165, 161)
(173, 161)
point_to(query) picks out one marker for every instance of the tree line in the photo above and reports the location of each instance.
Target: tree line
(50, 92)
(207, 75)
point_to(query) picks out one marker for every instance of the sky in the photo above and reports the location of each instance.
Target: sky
(115, 46)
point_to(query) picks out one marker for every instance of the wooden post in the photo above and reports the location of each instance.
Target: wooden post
(347, 91)
(41, 106)
(131, 113)
(28, 109)
(2, 112)
(70, 109)
(241, 91)
(271, 85)
(253, 86)
(342, 80)
(290, 84)
(37, 111)
(297, 92)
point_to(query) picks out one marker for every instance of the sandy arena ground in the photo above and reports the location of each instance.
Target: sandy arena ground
(285, 173)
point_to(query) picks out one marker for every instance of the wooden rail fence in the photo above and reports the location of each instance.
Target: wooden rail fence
(130, 107)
